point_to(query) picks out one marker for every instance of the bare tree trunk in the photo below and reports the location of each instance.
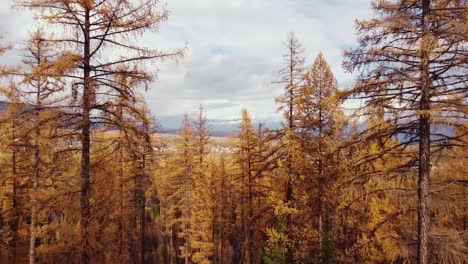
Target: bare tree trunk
(172, 255)
(86, 141)
(320, 179)
(136, 208)
(15, 221)
(223, 203)
(250, 253)
(35, 177)
(289, 191)
(320, 212)
(142, 210)
(424, 145)
(221, 241)
(37, 166)
(242, 211)
(187, 214)
(214, 223)
(32, 237)
(121, 233)
(167, 240)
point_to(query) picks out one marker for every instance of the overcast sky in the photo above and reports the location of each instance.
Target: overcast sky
(236, 49)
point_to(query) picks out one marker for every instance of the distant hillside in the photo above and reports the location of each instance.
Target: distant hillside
(3, 106)
(218, 127)
(212, 133)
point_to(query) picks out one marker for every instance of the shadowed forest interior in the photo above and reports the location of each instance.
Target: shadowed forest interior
(371, 173)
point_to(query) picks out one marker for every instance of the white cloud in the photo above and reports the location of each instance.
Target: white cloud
(236, 49)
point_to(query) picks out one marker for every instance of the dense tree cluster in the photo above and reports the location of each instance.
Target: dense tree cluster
(84, 178)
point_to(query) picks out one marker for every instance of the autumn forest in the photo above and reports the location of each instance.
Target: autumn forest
(86, 176)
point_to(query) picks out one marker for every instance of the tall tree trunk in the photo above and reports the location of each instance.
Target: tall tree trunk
(223, 203)
(172, 241)
(243, 211)
(34, 180)
(250, 253)
(214, 223)
(424, 145)
(32, 237)
(15, 220)
(121, 231)
(133, 245)
(289, 189)
(320, 211)
(142, 210)
(320, 176)
(291, 86)
(86, 141)
(187, 209)
(167, 239)
(37, 166)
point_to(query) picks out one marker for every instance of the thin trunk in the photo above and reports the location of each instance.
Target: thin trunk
(320, 213)
(344, 224)
(214, 223)
(243, 211)
(167, 238)
(37, 167)
(424, 145)
(86, 142)
(250, 216)
(121, 233)
(35, 177)
(223, 205)
(32, 237)
(142, 210)
(320, 180)
(291, 86)
(289, 253)
(136, 208)
(221, 236)
(187, 214)
(15, 222)
(172, 256)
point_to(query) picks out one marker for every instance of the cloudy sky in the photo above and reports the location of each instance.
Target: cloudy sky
(235, 51)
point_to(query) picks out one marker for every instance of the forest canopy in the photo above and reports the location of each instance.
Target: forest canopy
(86, 176)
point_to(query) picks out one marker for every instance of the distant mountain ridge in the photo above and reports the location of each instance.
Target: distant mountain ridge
(226, 128)
(167, 127)
(3, 106)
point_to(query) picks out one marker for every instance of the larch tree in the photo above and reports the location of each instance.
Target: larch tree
(3, 90)
(143, 166)
(220, 179)
(386, 184)
(177, 187)
(38, 51)
(89, 29)
(13, 167)
(245, 159)
(253, 160)
(30, 116)
(186, 150)
(412, 60)
(374, 196)
(291, 76)
(39, 54)
(319, 120)
(201, 227)
(40, 84)
(132, 119)
(226, 206)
